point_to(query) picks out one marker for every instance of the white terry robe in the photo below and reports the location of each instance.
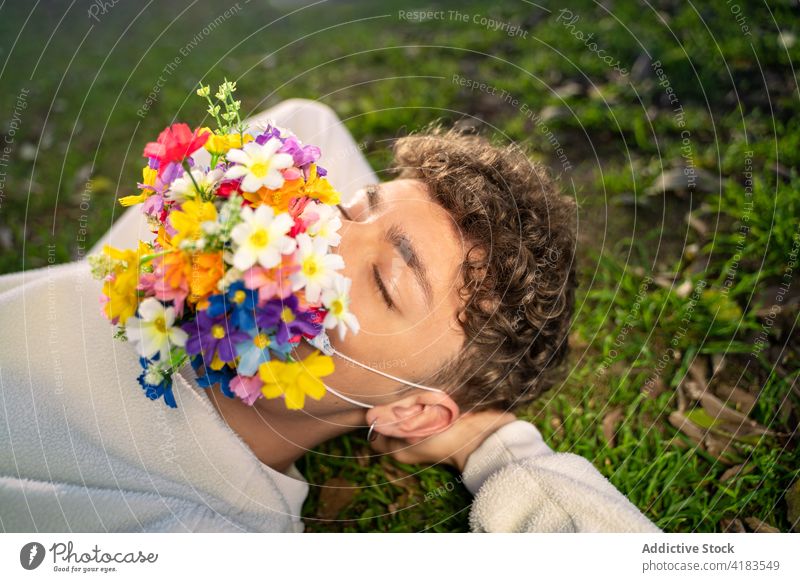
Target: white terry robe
(82, 448)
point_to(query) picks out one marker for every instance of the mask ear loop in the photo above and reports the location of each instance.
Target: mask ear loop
(347, 398)
(384, 374)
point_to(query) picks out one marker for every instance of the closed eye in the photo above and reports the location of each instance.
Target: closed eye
(382, 288)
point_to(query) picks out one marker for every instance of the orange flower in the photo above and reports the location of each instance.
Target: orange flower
(177, 268)
(205, 272)
(278, 199)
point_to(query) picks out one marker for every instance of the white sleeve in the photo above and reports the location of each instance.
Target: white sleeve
(521, 485)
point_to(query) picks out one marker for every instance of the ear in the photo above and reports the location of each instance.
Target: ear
(416, 416)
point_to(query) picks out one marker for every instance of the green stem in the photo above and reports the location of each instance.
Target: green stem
(216, 117)
(189, 171)
(150, 257)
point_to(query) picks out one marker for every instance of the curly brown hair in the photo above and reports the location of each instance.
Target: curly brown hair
(518, 274)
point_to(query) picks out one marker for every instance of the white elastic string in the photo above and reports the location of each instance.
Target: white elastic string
(347, 398)
(384, 374)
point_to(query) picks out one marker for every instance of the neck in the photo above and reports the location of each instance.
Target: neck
(280, 437)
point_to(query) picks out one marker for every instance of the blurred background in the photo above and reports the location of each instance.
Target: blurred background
(675, 125)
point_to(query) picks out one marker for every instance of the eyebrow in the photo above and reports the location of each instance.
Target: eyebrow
(398, 238)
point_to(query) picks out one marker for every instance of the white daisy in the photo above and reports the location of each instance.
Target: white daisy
(317, 266)
(336, 300)
(153, 331)
(327, 225)
(184, 189)
(259, 164)
(261, 237)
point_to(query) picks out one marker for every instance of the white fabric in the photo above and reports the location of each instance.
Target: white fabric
(521, 485)
(82, 448)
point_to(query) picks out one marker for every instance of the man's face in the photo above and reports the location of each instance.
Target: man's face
(403, 254)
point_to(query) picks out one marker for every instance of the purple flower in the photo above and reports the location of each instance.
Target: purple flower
(154, 205)
(288, 318)
(213, 335)
(301, 155)
(173, 171)
(268, 134)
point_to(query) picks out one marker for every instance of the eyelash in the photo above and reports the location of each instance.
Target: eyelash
(381, 288)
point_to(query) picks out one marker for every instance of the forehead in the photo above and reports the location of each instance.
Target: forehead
(432, 230)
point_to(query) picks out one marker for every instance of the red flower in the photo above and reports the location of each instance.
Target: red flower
(175, 143)
(317, 317)
(300, 225)
(228, 187)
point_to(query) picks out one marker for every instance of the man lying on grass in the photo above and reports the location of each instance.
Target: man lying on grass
(462, 270)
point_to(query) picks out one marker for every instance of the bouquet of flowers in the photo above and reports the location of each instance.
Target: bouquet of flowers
(241, 268)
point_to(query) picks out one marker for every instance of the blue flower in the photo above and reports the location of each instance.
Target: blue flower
(156, 391)
(211, 377)
(255, 351)
(240, 302)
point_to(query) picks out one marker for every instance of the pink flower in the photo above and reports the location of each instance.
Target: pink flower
(248, 388)
(271, 283)
(155, 284)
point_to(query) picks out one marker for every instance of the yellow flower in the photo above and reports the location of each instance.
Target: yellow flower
(123, 298)
(295, 380)
(220, 144)
(163, 239)
(188, 220)
(319, 188)
(148, 179)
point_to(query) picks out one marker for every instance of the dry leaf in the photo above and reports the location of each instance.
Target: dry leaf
(759, 526)
(693, 389)
(610, 426)
(655, 389)
(683, 402)
(687, 427)
(336, 494)
(734, 525)
(735, 422)
(684, 289)
(734, 471)
(697, 224)
(718, 363)
(698, 370)
(721, 448)
(742, 399)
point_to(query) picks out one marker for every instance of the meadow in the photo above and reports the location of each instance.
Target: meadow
(675, 125)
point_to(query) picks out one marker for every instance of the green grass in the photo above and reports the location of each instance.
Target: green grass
(79, 137)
